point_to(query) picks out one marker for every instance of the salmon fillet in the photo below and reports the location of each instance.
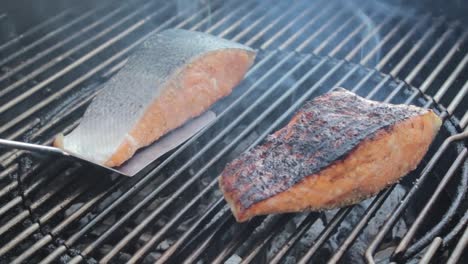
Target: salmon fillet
(172, 77)
(337, 150)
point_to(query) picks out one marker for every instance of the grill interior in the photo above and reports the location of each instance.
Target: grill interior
(54, 211)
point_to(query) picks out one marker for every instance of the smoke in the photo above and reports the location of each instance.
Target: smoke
(186, 8)
(370, 25)
(375, 40)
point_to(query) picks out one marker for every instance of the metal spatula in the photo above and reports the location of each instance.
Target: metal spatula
(140, 160)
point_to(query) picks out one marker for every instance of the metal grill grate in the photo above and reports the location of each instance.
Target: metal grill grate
(51, 210)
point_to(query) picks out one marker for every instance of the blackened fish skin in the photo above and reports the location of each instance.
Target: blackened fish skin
(324, 131)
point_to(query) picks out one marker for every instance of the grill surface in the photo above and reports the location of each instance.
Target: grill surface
(51, 210)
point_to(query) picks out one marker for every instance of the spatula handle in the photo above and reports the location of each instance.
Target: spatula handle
(31, 147)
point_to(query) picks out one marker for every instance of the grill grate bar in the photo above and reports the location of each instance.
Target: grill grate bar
(140, 184)
(370, 212)
(34, 30)
(197, 225)
(296, 105)
(325, 234)
(48, 36)
(404, 40)
(233, 25)
(405, 242)
(387, 37)
(345, 41)
(425, 85)
(422, 242)
(232, 14)
(316, 33)
(274, 231)
(297, 18)
(61, 57)
(267, 240)
(452, 77)
(265, 29)
(56, 46)
(417, 46)
(137, 43)
(76, 63)
(464, 121)
(429, 55)
(459, 248)
(236, 240)
(25, 213)
(54, 232)
(337, 32)
(464, 220)
(368, 37)
(283, 28)
(149, 197)
(254, 143)
(92, 72)
(449, 213)
(30, 189)
(431, 251)
(35, 226)
(207, 241)
(248, 129)
(272, 107)
(301, 229)
(158, 236)
(404, 203)
(458, 98)
(79, 80)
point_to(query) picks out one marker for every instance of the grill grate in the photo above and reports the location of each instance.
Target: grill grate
(51, 210)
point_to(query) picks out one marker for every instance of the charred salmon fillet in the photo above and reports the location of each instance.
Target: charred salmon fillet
(172, 77)
(337, 150)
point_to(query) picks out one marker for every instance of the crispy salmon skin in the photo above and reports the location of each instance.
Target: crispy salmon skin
(172, 77)
(337, 150)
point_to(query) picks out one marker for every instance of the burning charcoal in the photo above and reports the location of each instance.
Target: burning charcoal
(115, 195)
(281, 238)
(152, 257)
(91, 261)
(85, 219)
(234, 259)
(290, 260)
(144, 238)
(73, 208)
(205, 181)
(38, 236)
(191, 171)
(65, 259)
(50, 248)
(165, 245)
(155, 204)
(105, 249)
(184, 226)
(109, 220)
(123, 257)
(100, 229)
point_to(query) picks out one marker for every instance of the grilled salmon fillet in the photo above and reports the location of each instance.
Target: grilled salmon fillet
(172, 77)
(337, 150)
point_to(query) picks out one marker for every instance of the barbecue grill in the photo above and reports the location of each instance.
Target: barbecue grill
(54, 62)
